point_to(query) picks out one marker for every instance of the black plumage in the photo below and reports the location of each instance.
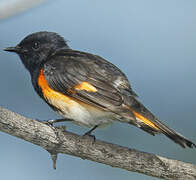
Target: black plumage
(64, 68)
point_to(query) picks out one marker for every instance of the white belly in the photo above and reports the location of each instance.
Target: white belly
(82, 114)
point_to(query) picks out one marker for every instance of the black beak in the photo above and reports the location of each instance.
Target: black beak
(16, 49)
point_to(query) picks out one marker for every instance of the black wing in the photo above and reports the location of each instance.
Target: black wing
(66, 69)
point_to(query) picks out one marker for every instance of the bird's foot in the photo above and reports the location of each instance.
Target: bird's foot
(88, 133)
(52, 121)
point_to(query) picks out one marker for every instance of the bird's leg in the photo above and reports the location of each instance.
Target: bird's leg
(52, 121)
(88, 133)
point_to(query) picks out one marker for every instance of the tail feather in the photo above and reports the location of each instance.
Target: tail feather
(175, 136)
(149, 123)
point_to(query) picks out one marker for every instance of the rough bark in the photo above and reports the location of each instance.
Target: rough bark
(55, 141)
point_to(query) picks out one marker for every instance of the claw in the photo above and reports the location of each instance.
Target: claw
(88, 133)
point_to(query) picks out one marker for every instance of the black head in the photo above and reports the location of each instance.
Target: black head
(35, 48)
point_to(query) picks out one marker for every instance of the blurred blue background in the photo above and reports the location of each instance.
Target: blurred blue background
(152, 41)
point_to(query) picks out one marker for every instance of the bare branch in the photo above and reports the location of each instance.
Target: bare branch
(84, 147)
(10, 8)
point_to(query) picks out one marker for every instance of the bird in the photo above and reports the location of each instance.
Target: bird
(85, 88)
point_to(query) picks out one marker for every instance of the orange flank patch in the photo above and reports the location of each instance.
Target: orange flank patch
(51, 95)
(85, 86)
(69, 107)
(144, 120)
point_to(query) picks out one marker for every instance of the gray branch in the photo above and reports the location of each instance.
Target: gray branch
(55, 141)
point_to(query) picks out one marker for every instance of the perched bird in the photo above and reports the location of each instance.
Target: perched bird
(85, 88)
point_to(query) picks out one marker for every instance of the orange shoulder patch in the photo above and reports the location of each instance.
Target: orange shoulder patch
(43, 84)
(85, 86)
(51, 95)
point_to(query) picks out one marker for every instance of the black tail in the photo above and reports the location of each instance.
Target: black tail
(149, 123)
(170, 133)
(173, 135)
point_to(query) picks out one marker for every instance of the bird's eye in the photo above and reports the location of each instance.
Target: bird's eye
(36, 46)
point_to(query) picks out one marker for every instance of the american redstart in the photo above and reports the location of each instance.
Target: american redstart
(84, 87)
